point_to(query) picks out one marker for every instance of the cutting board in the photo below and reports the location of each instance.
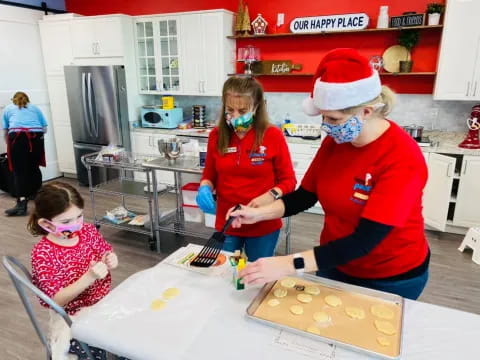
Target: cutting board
(273, 67)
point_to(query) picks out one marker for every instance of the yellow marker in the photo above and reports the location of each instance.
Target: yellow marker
(241, 265)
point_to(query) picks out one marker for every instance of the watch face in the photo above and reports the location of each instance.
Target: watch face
(275, 194)
(299, 263)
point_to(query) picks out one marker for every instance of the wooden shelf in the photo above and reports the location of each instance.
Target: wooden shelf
(334, 32)
(426, 73)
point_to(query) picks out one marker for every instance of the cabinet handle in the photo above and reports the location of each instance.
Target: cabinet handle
(449, 170)
(464, 172)
(468, 88)
(475, 89)
(149, 141)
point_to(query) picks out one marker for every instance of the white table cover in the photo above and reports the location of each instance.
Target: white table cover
(207, 321)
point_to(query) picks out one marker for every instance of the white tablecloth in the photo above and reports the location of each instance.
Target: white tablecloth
(207, 321)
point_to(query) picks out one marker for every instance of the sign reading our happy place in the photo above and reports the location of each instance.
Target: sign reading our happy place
(329, 23)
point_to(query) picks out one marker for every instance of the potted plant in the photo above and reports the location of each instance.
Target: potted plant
(434, 10)
(408, 39)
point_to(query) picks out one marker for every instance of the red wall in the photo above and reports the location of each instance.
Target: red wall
(305, 50)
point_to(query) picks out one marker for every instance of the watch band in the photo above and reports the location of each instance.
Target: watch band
(298, 263)
(276, 195)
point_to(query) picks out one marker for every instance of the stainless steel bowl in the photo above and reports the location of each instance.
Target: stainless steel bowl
(170, 148)
(415, 131)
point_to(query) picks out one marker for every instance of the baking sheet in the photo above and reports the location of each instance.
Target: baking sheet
(356, 334)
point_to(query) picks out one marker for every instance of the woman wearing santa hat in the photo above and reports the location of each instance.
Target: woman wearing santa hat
(368, 175)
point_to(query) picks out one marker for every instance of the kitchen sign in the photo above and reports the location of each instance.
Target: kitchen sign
(327, 23)
(407, 20)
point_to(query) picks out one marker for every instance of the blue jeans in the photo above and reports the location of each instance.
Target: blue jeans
(255, 247)
(407, 288)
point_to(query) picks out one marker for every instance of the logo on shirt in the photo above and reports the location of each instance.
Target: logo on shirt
(362, 189)
(258, 158)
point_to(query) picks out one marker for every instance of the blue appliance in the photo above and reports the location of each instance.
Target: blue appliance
(156, 117)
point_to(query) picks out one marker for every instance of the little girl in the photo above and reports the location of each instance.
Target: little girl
(71, 262)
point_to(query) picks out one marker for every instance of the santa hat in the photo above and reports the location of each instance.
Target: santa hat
(343, 79)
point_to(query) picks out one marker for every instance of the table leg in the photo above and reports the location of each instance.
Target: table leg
(178, 191)
(155, 209)
(92, 195)
(151, 214)
(287, 235)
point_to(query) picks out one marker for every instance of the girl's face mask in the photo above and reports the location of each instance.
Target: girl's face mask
(66, 231)
(346, 132)
(241, 123)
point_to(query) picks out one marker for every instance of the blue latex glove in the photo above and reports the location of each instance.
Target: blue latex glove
(205, 200)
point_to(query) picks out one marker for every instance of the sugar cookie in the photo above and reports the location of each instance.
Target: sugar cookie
(273, 302)
(170, 293)
(321, 317)
(382, 340)
(355, 313)
(304, 298)
(385, 327)
(312, 290)
(288, 283)
(382, 312)
(333, 300)
(157, 304)
(280, 293)
(296, 309)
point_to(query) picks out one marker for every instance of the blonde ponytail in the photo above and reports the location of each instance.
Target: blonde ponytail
(21, 99)
(387, 97)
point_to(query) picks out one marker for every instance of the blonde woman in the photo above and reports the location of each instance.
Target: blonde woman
(369, 176)
(24, 127)
(247, 162)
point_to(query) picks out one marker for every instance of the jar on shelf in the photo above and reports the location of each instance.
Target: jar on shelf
(382, 21)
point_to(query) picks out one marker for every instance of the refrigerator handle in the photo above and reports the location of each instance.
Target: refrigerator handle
(84, 104)
(93, 116)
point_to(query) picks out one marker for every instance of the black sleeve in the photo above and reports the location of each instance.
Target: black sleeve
(366, 236)
(298, 201)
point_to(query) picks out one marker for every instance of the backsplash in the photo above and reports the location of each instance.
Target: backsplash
(410, 109)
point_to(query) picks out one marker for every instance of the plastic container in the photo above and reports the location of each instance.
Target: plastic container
(189, 193)
(192, 213)
(210, 220)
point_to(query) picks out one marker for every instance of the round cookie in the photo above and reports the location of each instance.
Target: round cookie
(288, 283)
(157, 305)
(304, 298)
(170, 293)
(355, 313)
(385, 327)
(333, 300)
(273, 302)
(312, 290)
(321, 317)
(382, 312)
(280, 292)
(296, 309)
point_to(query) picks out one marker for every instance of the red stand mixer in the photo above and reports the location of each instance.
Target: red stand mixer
(473, 122)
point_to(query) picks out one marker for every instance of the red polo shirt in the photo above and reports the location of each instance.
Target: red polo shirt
(382, 181)
(244, 173)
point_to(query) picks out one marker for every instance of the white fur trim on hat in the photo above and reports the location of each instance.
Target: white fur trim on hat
(309, 107)
(339, 96)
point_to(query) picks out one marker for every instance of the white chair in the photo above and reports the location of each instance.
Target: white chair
(22, 281)
(472, 240)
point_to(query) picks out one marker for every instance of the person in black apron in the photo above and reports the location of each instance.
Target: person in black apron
(24, 129)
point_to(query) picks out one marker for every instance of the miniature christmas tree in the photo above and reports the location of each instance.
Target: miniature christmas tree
(246, 27)
(240, 16)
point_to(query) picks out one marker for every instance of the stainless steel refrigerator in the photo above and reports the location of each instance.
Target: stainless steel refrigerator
(97, 101)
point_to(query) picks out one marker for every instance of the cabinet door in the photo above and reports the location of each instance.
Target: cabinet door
(168, 60)
(57, 93)
(192, 48)
(144, 144)
(56, 46)
(83, 38)
(467, 211)
(108, 37)
(145, 49)
(457, 61)
(212, 56)
(437, 192)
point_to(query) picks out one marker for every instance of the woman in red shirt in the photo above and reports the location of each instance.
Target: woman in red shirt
(369, 177)
(247, 162)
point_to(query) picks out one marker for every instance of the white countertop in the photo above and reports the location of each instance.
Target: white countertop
(207, 321)
(443, 141)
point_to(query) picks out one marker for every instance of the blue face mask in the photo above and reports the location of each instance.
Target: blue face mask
(241, 123)
(346, 132)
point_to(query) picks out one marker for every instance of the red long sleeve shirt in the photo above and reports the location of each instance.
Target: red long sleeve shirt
(242, 174)
(55, 267)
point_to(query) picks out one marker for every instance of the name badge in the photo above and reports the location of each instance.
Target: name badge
(231, 150)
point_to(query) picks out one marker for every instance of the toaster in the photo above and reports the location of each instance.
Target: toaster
(156, 117)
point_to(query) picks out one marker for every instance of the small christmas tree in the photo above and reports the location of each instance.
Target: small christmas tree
(240, 16)
(246, 27)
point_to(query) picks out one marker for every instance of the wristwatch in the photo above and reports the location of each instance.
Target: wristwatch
(276, 195)
(298, 264)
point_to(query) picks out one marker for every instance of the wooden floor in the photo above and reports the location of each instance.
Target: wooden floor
(454, 278)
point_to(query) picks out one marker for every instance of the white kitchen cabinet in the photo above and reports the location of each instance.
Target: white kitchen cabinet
(56, 46)
(458, 72)
(146, 144)
(468, 197)
(64, 143)
(184, 53)
(97, 37)
(437, 192)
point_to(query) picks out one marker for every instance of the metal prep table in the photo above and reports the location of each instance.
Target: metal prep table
(188, 165)
(124, 186)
